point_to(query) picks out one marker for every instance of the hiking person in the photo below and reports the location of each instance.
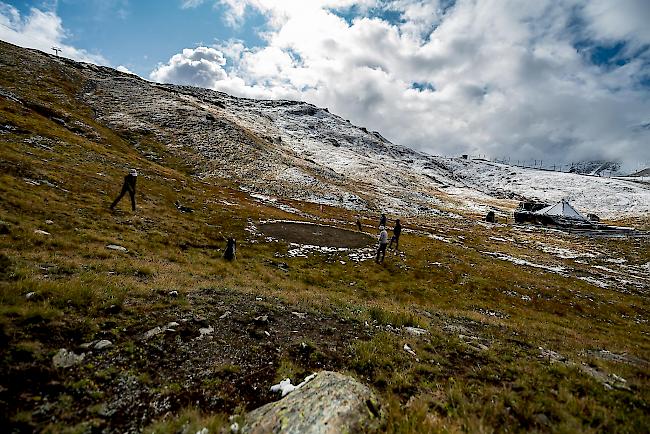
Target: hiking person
(382, 220)
(128, 187)
(383, 242)
(397, 231)
(231, 250)
(359, 224)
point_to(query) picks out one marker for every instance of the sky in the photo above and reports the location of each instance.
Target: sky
(553, 80)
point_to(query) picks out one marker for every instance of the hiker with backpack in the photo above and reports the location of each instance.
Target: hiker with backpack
(128, 187)
(383, 242)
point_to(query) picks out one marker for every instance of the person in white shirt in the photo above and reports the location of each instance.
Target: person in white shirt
(383, 242)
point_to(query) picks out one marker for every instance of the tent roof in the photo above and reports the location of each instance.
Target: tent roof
(561, 209)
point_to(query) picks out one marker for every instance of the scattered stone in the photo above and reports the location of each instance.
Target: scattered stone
(225, 315)
(455, 328)
(409, 350)
(172, 324)
(173, 293)
(204, 430)
(153, 332)
(30, 295)
(49, 222)
(552, 356)
(329, 403)
(300, 315)
(609, 381)
(66, 359)
(415, 331)
(619, 358)
(40, 232)
(116, 247)
(261, 319)
(204, 331)
(473, 343)
(87, 345)
(542, 419)
(103, 344)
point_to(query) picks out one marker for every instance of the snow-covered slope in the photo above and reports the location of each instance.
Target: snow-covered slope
(608, 197)
(299, 151)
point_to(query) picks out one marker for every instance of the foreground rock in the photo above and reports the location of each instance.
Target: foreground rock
(66, 359)
(329, 403)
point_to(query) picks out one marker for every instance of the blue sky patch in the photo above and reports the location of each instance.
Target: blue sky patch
(423, 86)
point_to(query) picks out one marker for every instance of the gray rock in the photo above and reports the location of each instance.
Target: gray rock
(330, 403)
(40, 232)
(116, 247)
(542, 419)
(66, 359)
(204, 331)
(415, 331)
(104, 343)
(153, 332)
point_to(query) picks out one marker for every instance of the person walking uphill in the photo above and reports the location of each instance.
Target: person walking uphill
(128, 187)
(397, 231)
(382, 220)
(383, 242)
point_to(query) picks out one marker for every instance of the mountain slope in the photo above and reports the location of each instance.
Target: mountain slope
(299, 151)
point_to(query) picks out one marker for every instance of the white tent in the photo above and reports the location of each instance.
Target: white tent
(561, 209)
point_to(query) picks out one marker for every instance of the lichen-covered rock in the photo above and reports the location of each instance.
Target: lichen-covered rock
(330, 403)
(66, 359)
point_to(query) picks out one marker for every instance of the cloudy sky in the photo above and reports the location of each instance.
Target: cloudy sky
(559, 80)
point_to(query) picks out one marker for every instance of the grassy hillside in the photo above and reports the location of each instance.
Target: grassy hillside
(507, 346)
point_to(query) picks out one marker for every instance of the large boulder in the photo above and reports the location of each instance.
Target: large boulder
(329, 403)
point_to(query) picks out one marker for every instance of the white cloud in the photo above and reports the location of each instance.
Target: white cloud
(40, 30)
(620, 20)
(123, 68)
(497, 77)
(201, 66)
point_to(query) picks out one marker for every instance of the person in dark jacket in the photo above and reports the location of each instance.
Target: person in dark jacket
(128, 187)
(231, 250)
(382, 220)
(397, 231)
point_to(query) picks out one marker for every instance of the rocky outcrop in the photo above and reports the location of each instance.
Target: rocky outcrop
(329, 403)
